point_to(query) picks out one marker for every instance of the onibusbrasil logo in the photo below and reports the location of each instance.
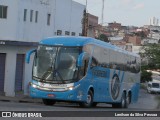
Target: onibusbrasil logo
(115, 86)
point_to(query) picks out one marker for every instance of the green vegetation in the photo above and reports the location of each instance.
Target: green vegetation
(146, 76)
(150, 60)
(152, 55)
(103, 37)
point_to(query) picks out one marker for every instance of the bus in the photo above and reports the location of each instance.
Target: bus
(84, 70)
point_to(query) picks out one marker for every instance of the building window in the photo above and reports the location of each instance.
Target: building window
(59, 32)
(80, 34)
(3, 11)
(25, 15)
(48, 19)
(67, 33)
(31, 15)
(73, 33)
(36, 18)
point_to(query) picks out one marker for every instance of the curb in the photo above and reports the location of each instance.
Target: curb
(23, 100)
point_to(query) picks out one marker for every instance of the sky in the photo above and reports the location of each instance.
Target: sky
(126, 12)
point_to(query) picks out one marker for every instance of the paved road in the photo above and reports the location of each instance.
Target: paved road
(146, 102)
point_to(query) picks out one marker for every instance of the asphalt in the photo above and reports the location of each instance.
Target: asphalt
(27, 99)
(22, 99)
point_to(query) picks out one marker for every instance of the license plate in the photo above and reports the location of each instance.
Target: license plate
(51, 95)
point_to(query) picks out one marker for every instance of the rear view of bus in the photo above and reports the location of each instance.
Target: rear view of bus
(67, 69)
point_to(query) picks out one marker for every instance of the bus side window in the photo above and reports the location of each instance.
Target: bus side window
(83, 70)
(94, 62)
(85, 67)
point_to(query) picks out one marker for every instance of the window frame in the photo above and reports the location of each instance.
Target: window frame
(31, 15)
(73, 34)
(3, 11)
(36, 16)
(59, 32)
(67, 33)
(48, 19)
(25, 15)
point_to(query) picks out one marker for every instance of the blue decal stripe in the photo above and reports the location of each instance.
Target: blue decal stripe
(122, 77)
(119, 73)
(114, 71)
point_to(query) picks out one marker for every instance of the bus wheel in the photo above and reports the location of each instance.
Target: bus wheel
(122, 104)
(129, 97)
(127, 102)
(48, 102)
(89, 102)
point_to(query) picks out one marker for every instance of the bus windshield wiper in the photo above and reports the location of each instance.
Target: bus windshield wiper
(56, 72)
(50, 69)
(46, 74)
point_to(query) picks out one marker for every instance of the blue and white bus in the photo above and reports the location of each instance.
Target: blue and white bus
(84, 70)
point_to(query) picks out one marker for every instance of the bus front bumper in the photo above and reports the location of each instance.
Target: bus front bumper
(69, 95)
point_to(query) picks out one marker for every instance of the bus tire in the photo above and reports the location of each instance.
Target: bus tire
(48, 102)
(122, 104)
(129, 98)
(89, 102)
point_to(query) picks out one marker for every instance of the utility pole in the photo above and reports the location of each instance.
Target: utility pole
(85, 21)
(102, 16)
(86, 5)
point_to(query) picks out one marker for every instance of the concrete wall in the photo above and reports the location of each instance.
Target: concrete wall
(32, 31)
(77, 15)
(8, 26)
(136, 49)
(66, 15)
(10, 68)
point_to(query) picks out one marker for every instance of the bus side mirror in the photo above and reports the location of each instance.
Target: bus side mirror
(81, 59)
(28, 55)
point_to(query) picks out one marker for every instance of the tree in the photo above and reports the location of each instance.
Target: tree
(103, 37)
(146, 76)
(151, 53)
(141, 34)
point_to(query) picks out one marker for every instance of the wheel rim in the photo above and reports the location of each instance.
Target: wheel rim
(88, 99)
(123, 102)
(128, 100)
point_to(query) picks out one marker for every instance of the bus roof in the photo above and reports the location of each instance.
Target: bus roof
(65, 41)
(80, 41)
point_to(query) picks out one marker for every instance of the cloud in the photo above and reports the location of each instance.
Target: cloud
(139, 6)
(126, 2)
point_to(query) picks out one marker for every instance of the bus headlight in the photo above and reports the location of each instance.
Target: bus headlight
(72, 87)
(33, 85)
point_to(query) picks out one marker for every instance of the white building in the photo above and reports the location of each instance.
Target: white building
(154, 21)
(23, 23)
(149, 41)
(136, 49)
(154, 35)
(151, 27)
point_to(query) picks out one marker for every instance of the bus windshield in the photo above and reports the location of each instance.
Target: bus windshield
(56, 64)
